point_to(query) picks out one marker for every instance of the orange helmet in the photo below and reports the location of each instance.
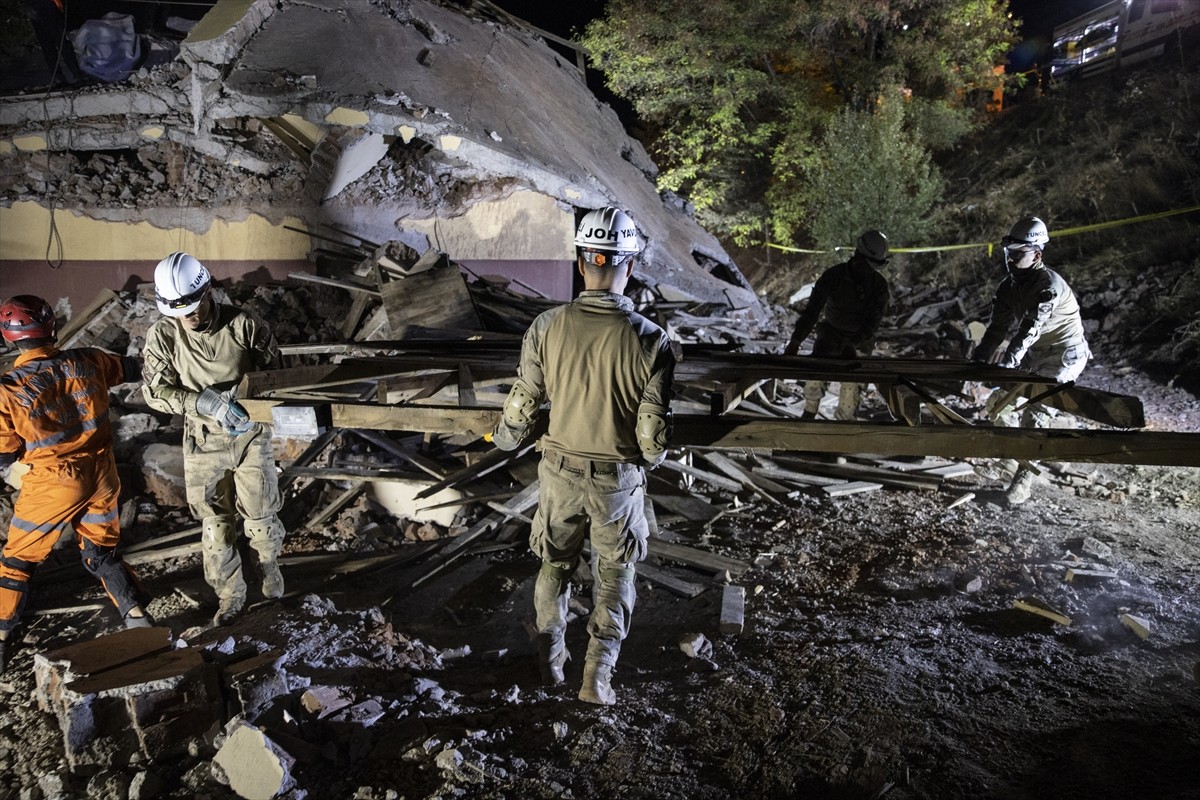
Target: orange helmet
(26, 316)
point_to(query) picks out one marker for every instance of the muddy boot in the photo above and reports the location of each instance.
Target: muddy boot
(3, 654)
(1003, 469)
(266, 537)
(552, 656)
(228, 610)
(597, 684)
(137, 617)
(1021, 488)
(272, 580)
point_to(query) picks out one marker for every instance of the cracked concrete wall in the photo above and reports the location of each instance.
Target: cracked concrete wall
(484, 108)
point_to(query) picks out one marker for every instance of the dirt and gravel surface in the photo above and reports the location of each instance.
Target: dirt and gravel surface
(882, 656)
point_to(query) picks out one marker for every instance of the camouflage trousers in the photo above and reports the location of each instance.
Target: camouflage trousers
(230, 480)
(598, 502)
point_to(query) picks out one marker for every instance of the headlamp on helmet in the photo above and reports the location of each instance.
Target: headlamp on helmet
(180, 283)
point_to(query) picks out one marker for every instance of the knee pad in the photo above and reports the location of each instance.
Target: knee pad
(217, 533)
(626, 574)
(269, 528)
(555, 572)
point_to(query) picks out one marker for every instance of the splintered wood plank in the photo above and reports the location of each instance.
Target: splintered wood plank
(266, 383)
(763, 487)
(466, 386)
(341, 501)
(714, 562)
(427, 419)
(394, 391)
(687, 506)
(851, 487)
(728, 396)
(435, 298)
(1023, 444)
(708, 477)
(672, 583)
(867, 473)
(957, 470)
(1041, 609)
(97, 309)
(151, 668)
(456, 548)
(107, 652)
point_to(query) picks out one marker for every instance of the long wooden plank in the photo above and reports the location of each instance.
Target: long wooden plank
(710, 478)
(862, 472)
(757, 484)
(497, 357)
(704, 559)
(1114, 447)
(1162, 448)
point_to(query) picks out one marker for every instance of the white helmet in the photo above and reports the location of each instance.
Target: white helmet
(609, 229)
(180, 282)
(872, 245)
(1030, 230)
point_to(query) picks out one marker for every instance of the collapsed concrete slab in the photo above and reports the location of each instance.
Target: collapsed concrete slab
(125, 693)
(256, 767)
(461, 107)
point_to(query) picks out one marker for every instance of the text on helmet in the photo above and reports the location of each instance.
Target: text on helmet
(605, 233)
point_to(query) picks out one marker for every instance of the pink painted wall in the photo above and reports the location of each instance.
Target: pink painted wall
(81, 281)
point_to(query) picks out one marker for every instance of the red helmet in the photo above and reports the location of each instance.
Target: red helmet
(26, 317)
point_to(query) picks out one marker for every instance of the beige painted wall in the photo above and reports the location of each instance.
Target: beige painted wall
(25, 229)
(525, 225)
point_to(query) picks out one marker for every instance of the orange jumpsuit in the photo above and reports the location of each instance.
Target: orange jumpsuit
(54, 407)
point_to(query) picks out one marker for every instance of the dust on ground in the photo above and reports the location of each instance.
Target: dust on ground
(882, 656)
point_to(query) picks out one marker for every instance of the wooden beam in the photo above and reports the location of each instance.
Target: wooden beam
(349, 286)
(713, 562)
(727, 396)
(1050, 444)
(1162, 448)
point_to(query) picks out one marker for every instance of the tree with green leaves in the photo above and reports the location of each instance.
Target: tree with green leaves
(803, 120)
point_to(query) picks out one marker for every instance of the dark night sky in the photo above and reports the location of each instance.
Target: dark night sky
(1040, 17)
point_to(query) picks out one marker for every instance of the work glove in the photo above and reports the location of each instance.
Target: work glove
(225, 410)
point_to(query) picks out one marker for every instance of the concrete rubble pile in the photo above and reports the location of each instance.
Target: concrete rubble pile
(250, 710)
(406, 118)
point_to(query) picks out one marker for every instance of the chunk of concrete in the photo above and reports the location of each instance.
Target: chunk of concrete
(162, 474)
(733, 609)
(321, 701)
(1139, 625)
(127, 690)
(1096, 549)
(695, 645)
(256, 767)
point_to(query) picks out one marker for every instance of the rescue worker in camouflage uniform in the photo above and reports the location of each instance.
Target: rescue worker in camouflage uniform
(854, 296)
(1048, 337)
(607, 373)
(194, 359)
(54, 417)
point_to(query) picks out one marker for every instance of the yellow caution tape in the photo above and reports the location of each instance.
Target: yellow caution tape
(1098, 226)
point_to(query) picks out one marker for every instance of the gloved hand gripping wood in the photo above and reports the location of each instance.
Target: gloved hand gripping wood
(224, 409)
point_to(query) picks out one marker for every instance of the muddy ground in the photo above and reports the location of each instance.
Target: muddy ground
(882, 656)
